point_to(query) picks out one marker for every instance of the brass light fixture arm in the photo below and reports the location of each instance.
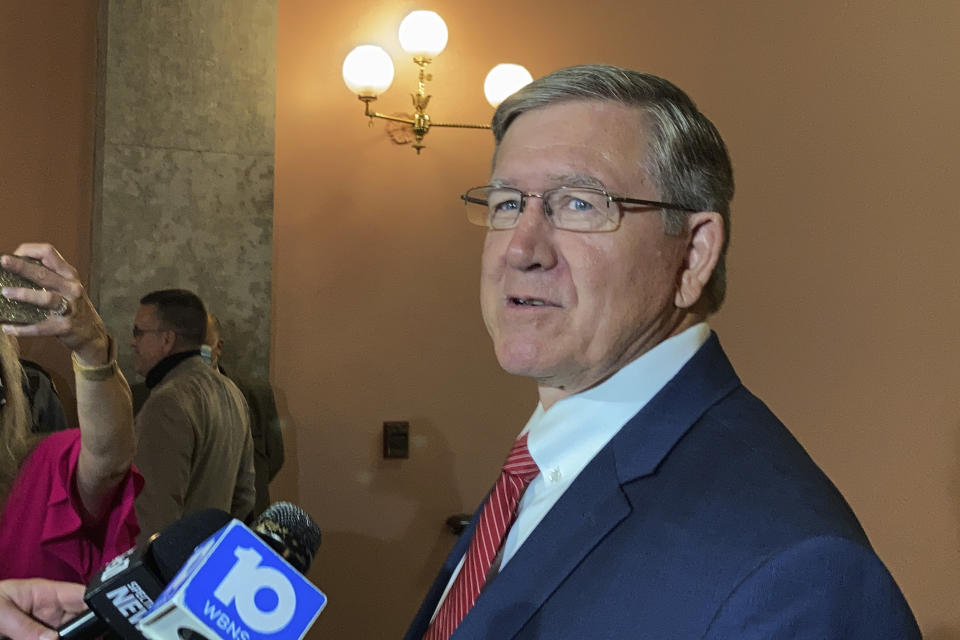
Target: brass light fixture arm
(420, 121)
(374, 114)
(460, 126)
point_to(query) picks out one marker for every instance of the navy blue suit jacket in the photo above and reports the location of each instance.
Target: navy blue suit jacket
(702, 518)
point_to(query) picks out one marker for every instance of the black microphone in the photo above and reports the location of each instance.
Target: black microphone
(122, 592)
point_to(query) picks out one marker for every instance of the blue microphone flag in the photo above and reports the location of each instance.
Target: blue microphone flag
(235, 587)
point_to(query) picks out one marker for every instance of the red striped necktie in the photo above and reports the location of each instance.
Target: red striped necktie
(498, 514)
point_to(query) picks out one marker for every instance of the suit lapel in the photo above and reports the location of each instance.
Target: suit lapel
(591, 507)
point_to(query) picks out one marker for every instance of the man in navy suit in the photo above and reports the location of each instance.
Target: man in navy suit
(670, 503)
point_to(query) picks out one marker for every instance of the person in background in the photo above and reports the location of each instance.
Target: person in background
(264, 421)
(31, 609)
(265, 428)
(650, 494)
(195, 449)
(46, 410)
(67, 498)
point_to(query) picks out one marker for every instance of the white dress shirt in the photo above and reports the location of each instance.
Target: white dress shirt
(564, 438)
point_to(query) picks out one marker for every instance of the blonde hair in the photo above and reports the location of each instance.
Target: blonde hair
(16, 440)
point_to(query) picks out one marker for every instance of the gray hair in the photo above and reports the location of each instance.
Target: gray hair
(687, 159)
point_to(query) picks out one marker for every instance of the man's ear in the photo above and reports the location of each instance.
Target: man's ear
(169, 341)
(705, 237)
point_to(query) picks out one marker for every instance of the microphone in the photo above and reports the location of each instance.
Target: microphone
(241, 585)
(290, 532)
(120, 594)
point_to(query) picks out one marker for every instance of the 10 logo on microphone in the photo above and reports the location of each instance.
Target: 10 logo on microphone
(235, 587)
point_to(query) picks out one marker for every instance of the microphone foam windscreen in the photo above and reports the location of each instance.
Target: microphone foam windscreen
(294, 528)
(173, 547)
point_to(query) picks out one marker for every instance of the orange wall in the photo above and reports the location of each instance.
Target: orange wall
(47, 101)
(842, 124)
(841, 119)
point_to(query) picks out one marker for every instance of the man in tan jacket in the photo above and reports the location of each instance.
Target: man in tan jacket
(194, 445)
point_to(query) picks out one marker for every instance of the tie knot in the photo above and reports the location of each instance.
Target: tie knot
(520, 463)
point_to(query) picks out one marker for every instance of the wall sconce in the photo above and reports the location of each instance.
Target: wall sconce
(368, 72)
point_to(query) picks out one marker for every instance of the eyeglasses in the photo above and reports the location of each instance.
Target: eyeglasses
(138, 332)
(582, 209)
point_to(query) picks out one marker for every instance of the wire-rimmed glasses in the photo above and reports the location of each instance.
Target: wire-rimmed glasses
(138, 331)
(584, 209)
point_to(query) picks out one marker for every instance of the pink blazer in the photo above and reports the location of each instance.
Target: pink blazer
(42, 533)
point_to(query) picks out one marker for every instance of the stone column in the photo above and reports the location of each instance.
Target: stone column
(185, 184)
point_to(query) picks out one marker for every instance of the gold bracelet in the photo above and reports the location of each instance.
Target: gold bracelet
(99, 372)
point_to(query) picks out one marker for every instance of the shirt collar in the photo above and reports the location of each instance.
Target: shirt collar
(162, 368)
(565, 437)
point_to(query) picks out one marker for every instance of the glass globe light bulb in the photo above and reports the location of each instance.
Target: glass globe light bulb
(503, 81)
(423, 33)
(368, 70)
